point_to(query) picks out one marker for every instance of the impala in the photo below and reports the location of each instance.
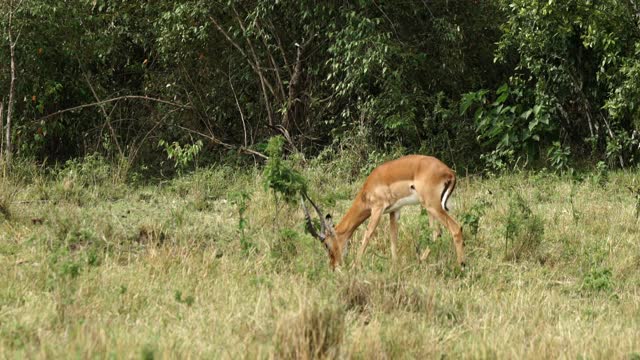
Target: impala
(409, 180)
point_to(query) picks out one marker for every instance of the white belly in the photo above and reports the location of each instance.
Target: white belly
(412, 199)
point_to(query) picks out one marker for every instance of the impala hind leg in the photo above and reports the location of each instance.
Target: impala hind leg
(376, 214)
(435, 227)
(454, 229)
(437, 232)
(430, 198)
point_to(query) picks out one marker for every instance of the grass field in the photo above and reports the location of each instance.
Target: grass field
(208, 265)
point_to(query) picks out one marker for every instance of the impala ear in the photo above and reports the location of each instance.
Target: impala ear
(328, 220)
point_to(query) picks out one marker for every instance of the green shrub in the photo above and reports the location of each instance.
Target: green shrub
(471, 218)
(278, 174)
(598, 279)
(523, 230)
(601, 176)
(241, 199)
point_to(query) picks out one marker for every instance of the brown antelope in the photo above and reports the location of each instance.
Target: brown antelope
(409, 180)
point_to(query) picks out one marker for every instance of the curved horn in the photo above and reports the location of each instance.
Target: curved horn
(323, 224)
(307, 217)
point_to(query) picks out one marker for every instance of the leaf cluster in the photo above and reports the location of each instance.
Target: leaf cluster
(279, 175)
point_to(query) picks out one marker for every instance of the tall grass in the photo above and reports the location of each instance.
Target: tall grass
(103, 268)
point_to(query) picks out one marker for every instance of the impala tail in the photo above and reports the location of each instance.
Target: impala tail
(449, 186)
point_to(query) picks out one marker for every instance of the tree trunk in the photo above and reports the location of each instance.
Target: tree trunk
(297, 102)
(12, 90)
(1, 129)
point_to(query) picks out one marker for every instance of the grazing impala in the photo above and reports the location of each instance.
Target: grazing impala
(409, 180)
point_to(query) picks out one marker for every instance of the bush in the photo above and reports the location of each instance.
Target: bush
(598, 279)
(523, 230)
(278, 174)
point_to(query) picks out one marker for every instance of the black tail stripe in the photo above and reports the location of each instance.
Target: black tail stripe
(446, 186)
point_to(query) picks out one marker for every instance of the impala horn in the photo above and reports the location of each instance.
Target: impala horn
(307, 217)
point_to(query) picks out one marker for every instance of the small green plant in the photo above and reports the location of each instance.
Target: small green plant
(559, 156)
(92, 258)
(70, 268)
(601, 177)
(523, 230)
(471, 218)
(187, 300)
(148, 352)
(497, 161)
(574, 210)
(278, 174)
(182, 155)
(241, 199)
(598, 279)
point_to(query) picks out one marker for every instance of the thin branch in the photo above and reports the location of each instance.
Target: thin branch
(281, 48)
(276, 68)
(198, 92)
(255, 65)
(263, 81)
(393, 26)
(217, 141)
(235, 97)
(135, 148)
(107, 117)
(228, 37)
(126, 97)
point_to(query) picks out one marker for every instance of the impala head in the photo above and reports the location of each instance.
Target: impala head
(326, 235)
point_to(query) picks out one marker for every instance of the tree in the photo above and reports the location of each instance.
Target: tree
(13, 37)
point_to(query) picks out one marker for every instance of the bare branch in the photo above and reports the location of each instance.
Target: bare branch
(126, 97)
(235, 97)
(217, 141)
(281, 48)
(107, 117)
(263, 81)
(276, 68)
(235, 44)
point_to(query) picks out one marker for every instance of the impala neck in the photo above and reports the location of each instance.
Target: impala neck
(355, 216)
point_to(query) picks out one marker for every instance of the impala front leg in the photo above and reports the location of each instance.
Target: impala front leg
(393, 217)
(376, 214)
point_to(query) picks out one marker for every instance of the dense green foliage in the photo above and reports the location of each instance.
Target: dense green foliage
(543, 78)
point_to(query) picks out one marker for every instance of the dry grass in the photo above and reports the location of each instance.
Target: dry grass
(158, 271)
